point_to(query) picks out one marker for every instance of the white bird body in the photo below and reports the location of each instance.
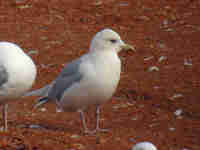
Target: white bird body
(20, 69)
(89, 80)
(17, 74)
(144, 146)
(90, 90)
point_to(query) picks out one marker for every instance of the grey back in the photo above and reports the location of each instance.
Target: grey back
(69, 75)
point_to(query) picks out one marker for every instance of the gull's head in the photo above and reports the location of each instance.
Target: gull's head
(144, 146)
(108, 40)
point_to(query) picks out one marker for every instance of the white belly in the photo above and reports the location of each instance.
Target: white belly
(95, 88)
(21, 76)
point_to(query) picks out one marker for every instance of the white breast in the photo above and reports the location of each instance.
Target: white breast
(20, 68)
(108, 68)
(100, 79)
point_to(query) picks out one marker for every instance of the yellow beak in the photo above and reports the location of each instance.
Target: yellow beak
(128, 47)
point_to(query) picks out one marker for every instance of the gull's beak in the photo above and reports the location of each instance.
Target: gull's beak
(128, 47)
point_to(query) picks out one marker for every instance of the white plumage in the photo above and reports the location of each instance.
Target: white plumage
(144, 146)
(17, 74)
(91, 79)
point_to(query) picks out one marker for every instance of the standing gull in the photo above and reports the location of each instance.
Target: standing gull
(89, 80)
(17, 74)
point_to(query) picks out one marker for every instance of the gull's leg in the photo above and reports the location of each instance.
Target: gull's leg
(86, 130)
(5, 114)
(98, 121)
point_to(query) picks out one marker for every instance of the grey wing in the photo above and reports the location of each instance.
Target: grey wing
(43, 92)
(68, 76)
(3, 75)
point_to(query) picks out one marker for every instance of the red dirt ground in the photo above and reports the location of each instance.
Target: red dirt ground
(166, 35)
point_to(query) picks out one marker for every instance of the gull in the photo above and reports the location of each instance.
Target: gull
(144, 146)
(89, 80)
(17, 74)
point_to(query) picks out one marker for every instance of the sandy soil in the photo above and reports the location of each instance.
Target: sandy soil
(158, 96)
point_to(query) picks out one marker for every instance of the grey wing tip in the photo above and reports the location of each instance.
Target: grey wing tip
(41, 102)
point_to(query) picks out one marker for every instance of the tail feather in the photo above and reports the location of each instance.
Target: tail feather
(40, 92)
(41, 101)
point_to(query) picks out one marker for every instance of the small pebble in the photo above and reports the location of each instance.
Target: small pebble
(134, 118)
(34, 126)
(144, 18)
(162, 58)
(156, 87)
(185, 149)
(178, 95)
(23, 6)
(172, 129)
(170, 30)
(187, 62)
(21, 126)
(165, 23)
(35, 52)
(161, 45)
(178, 112)
(131, 139)
(98, 2)
(1, 129)
(123, 4)
(58, 110)
(43, 109)
(44, 38)
(148, 58)
(153, 68)
(75, 136)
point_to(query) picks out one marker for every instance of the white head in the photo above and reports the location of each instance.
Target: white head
(144, 146)
(7, 47)
(107, 39)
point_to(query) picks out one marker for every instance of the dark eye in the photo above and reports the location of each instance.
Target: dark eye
(113, 41)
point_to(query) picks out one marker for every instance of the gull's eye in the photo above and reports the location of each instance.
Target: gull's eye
(113, 41)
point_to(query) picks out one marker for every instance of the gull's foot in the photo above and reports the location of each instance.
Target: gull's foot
(101, 130)
(90, 132)
(93, 132)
